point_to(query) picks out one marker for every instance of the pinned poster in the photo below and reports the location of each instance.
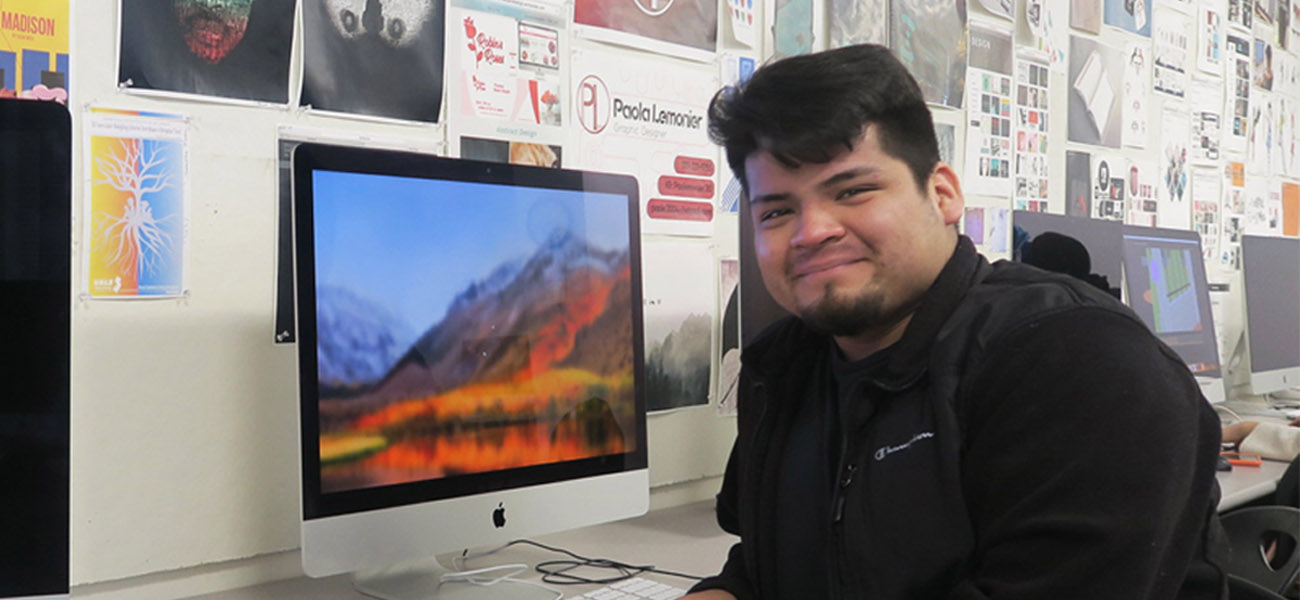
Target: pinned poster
(1108, 186)
(1262, 141)
(929, 37)
(1143, 177)
(1263, 208)
(34, 50)
(742, 21)
(1206, 101)
(988, 116)
(1290, 209)
(371, 64)
(736, 69)
(1171, 49)
(1237, 104)
(858, 22)
(1133, 107)
(237, 49)
(648, 118)
(136, 215)
(1211, 30)
(1130, 15)
(508, 64)
(729, 336)
(1039, 33)
(1206, 210)
(684, 28)
(680, 304)
(1096, 82)
(1241, 13)
(1233, 215)
(1262, 69)
(1174, 206)
(1031, 112)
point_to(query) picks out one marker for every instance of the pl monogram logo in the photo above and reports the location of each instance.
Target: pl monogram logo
(593, 104)
(653, 8)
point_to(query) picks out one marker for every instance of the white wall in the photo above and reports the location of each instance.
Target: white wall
(184, 426)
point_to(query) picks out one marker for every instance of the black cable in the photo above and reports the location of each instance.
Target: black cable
(557, 572)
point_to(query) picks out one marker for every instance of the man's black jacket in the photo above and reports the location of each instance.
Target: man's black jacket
(1029, 438)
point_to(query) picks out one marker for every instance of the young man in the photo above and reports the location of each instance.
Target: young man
(929, 425)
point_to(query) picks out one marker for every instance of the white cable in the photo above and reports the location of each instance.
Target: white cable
(471, 577)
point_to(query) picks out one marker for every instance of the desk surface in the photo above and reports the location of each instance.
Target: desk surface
(685, 539)
(1243, 484)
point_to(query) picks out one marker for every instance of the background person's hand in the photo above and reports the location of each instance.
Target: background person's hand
(1234, 433)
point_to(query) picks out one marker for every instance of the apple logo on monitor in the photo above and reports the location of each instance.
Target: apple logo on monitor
(499, 515)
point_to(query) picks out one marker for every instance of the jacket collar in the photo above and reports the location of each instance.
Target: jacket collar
(788, 342)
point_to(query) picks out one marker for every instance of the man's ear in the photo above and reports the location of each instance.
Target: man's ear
(945, 191)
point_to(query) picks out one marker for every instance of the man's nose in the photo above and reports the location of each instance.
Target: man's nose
(816, 226)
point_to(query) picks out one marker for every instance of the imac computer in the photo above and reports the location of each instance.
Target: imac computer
(470, 359)
(35, 326)
(1090, 249)
(1271, 277)
(1164, 275)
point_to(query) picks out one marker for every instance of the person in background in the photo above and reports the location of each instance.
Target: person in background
(928, 425)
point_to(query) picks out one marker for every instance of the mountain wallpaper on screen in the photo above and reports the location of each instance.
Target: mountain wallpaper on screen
(531, 364)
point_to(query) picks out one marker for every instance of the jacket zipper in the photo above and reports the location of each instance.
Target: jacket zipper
(757, 472)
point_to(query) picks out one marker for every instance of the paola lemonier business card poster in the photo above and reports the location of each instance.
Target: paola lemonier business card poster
(647, 118)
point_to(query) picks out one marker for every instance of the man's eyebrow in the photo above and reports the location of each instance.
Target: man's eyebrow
(846, 175)
(773, 197)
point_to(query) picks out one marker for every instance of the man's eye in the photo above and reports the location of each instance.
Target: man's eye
(854, 191)
(768, 215)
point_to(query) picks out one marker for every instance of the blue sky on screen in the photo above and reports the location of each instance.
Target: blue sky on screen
(412, 244)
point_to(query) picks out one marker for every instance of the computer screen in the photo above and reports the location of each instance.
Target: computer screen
(35, 326)
(470, 353)
(1271, 277)
(1165, 280)
(1090, 249)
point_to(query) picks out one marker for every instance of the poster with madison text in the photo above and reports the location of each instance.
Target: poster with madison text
(34, 49)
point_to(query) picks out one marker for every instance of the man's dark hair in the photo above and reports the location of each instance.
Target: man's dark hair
(805, 109)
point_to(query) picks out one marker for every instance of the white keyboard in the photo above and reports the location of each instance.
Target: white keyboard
(635, 588)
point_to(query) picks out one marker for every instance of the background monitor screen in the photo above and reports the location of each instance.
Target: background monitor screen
(1271, 274)
(1098, 252)
(35, 313)
(1165, 280)
(466, 329)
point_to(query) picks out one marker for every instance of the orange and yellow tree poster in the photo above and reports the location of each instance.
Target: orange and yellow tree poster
(34, 49)
(136, 204)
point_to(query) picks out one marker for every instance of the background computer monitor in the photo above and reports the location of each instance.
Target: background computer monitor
(1165, 281)
(1271, 277)
(1101, 240)
(470, 355)
(35, 312)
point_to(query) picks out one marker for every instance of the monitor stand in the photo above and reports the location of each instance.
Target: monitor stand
(422, 579)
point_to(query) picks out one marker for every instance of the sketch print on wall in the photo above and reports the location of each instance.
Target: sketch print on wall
(378, 58)
(678, 323)
(231, 49)
(929, 37)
